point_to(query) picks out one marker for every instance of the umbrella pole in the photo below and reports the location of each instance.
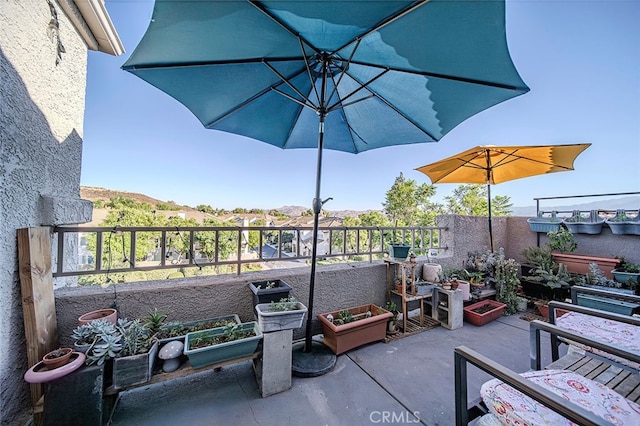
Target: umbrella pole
(489, 205)
(312, 359)
(317, 208)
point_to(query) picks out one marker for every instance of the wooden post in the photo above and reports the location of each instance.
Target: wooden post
(38, 303)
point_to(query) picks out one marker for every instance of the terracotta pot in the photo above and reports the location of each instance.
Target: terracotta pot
(57, 358)
(109, 314)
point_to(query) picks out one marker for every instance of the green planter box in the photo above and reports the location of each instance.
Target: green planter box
(201, 325)
(607, 304)
(624, 277)
(201, 357)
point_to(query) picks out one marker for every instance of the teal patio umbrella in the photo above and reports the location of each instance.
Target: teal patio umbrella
(343, 75)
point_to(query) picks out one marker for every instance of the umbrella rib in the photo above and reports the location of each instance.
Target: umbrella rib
(307, 102)
(261, 8)
(387, 21)
(448, 77)
(256, 96)
(362, 86)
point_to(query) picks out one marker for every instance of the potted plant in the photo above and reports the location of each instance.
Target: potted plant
(579, 224)
(221, 344)
(523, 302)
(57, 358)
(133, 364)
(562, 245)
(621, 223)
(399, 251)
(535, 257)
(483, 312)
(392, 324)
(548, 281)
(286, 314)
(268, 291)
(109, 314)
(596, 279)
(506, 282)
(541, 223)
(349, 328)
(627, 273)
(98, 339)
(177, 330)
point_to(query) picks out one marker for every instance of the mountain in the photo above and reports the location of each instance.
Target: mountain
(627, 203)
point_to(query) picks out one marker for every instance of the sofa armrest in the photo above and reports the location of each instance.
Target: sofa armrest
(464, 355)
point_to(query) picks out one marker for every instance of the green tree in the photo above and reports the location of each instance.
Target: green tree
(472, 200)
(205, 208)
(406, 201)
(116, 251)
(163, 206)
(254, 236)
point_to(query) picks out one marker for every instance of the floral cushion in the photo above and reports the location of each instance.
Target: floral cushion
(614, 333)
(512, 407)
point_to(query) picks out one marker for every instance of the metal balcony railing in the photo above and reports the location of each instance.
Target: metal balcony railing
(105, 250)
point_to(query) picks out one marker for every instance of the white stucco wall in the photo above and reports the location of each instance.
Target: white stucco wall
(41, 118)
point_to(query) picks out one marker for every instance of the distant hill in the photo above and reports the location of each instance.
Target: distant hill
(628, 203)
(94, 194)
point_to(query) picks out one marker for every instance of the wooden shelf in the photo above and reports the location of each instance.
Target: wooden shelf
(184, 370)
(406, 272)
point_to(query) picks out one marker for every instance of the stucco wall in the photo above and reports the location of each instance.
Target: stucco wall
(41, 116)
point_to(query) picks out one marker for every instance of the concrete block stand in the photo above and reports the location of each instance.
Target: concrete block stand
(273, 369)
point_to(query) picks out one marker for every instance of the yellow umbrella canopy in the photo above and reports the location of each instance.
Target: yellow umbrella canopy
(496, 164)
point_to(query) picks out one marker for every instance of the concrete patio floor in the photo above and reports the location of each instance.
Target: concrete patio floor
(407, 381)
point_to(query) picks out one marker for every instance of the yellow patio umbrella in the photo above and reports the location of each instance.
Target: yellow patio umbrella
(496, 164)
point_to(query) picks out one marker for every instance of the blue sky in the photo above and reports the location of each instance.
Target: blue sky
(581, 60)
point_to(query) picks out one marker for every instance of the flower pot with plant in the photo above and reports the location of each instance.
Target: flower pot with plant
(109, 314)
(269, 291)
(506, 281)
(483, 312)
(99, 340)
(543, 223)
(57, 358)
(562, 245)
(627, 273)
(579, 224)
(392, 323)
(222, 344)
(134, 363)
(286, 314)
(622, 223)
(349, 328)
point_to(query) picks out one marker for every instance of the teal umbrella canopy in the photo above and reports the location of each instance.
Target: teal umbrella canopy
(397, 72)
(348, 75)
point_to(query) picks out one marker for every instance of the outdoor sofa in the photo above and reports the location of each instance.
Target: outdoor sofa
(597, 382)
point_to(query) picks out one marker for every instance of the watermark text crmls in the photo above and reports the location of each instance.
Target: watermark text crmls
(397, 417)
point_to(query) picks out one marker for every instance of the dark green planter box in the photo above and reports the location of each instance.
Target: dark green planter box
(134, 369)
(201, 357)
(263, 294)
(540, 291)
(75, 399)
